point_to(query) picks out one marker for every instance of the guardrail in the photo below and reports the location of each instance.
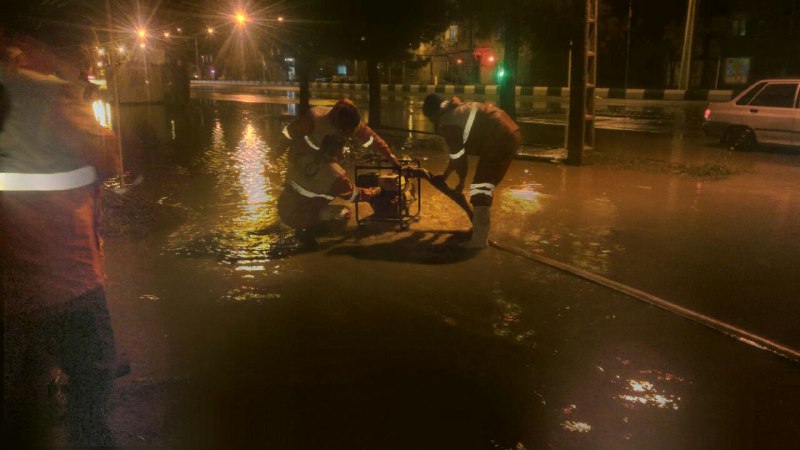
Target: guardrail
(521, 91)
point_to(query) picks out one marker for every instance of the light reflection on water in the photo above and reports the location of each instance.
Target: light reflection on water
(546, 222)
(644, 392)
(240, 224)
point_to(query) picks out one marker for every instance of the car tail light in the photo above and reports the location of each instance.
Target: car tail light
(707, 113)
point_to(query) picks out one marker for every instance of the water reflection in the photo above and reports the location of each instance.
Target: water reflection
(577, 427)
(240, 226)
(643, 391)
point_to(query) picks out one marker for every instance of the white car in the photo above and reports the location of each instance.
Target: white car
(768, 112)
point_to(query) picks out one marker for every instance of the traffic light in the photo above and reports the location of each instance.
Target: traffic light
(500, 73)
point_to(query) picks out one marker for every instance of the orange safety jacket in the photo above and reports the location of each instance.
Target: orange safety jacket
(313, 182)
(308, 131)
(53, 156)
(479, 129)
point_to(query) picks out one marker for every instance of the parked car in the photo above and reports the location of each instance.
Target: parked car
(768, 112)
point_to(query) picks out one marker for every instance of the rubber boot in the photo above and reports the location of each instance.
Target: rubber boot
(481, 221)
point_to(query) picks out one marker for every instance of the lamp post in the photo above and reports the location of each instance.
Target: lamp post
(686, 54)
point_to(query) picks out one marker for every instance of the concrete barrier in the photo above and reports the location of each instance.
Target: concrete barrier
(522, 92)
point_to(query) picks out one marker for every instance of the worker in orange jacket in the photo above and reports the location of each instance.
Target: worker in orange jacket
(313, 181)
(478, 129)
(342, 121)
(54, 158)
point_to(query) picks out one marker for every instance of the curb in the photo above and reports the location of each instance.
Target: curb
(521, 91)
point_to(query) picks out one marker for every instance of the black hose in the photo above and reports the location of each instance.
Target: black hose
(725, 328)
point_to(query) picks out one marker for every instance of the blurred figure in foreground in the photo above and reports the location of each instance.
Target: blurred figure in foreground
(53, 158)
(483, 130)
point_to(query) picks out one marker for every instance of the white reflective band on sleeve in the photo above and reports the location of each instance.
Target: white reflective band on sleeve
(470, 121)
(458, 155)
(481, 188)
(354, 197)
(369, 142)
(62, 181)
(306, 193)
(286, 132)
(310, 143)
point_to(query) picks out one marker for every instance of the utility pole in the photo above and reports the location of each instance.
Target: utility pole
(580, 140)
(197, 59)
(686, 55)
(116, 118)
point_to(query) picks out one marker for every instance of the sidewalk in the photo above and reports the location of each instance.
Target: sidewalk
(398, 340)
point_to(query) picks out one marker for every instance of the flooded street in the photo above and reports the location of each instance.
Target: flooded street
(396, 339)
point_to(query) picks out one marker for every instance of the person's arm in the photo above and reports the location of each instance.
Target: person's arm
(296, 130)
(453, 137)
(344, 189)
(98, 143)
(368, 138)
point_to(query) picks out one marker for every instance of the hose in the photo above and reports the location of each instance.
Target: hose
(739, 334)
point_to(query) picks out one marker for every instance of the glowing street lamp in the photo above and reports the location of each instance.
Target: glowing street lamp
(210, 30)
(142, 33)
(241, 18)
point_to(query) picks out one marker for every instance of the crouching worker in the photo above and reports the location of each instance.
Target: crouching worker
(313, 181)
(478, 129)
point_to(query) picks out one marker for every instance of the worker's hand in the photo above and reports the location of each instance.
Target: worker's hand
(415, 172)
(126, 189)
(395, 162)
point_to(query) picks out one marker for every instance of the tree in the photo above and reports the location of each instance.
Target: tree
(362, 30)
(539, 24)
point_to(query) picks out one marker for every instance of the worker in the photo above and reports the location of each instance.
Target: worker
(54, 157)
(342, 121)
(479, 129)
(313, 181)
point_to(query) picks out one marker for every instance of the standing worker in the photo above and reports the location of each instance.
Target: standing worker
(480, 129)
(53, 157)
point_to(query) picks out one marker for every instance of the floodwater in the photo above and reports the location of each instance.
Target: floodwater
(387, 339)
(724, 247)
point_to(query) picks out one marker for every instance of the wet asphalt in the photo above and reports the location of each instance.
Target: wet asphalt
(386, 338)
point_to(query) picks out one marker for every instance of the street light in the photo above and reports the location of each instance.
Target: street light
(241, 18)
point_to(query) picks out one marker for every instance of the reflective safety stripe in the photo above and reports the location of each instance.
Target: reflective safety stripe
(354, 197)
(286, 132)
(481, 188)
(306, 193)
(62, 181)
(310, 143)
(470, 121)
(369, 142)
(467, 129)
(458, 155)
